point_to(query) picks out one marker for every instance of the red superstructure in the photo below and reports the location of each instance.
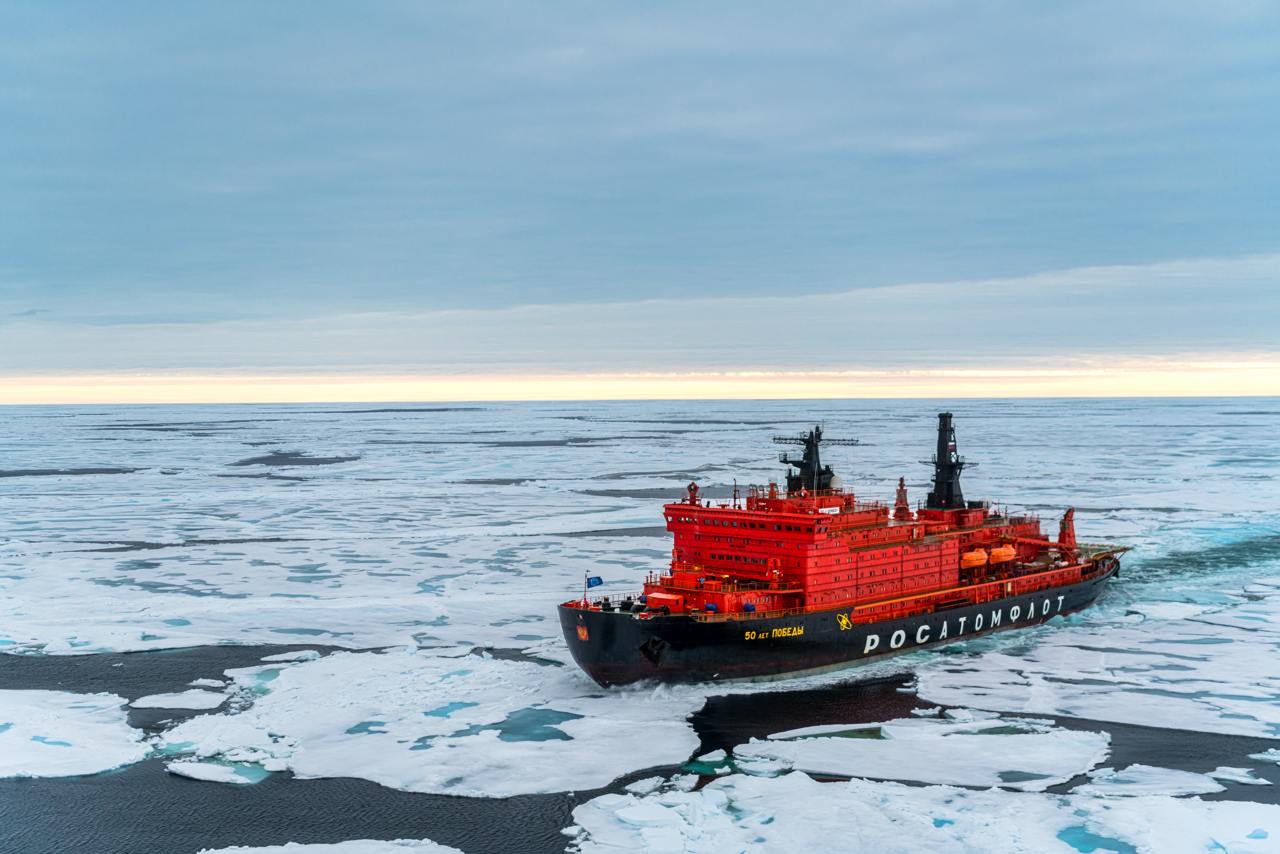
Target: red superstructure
(775, 552)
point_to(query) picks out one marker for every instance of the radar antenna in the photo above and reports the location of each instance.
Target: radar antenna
(812, 474)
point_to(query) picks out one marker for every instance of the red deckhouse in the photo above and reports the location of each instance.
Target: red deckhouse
(818, 547)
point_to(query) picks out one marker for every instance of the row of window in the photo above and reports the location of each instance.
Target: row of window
(777, 544)
(907, 569)
(739, 559)
(728, 523)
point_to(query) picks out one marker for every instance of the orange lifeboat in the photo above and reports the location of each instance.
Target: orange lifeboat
(969, 560)
(1003, 554)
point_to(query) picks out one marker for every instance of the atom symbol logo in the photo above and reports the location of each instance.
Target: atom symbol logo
(844, 622)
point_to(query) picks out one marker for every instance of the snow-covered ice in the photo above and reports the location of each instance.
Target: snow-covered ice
(297, 655)
(360, 530)
(1137, 780)
(795, 813)
(645, 786)
(982, 751)
(194, 699)
(216, 684)
(452, 723)
(1210, 669)
(215, 772)
(61, 734)
(1243, 776)
(1270, 755)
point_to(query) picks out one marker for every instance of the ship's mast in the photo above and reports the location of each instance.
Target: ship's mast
(947, 465)
(811, 474)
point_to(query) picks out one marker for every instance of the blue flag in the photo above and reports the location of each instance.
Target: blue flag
(594, 581)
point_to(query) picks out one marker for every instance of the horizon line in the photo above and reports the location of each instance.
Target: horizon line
(1132, 379)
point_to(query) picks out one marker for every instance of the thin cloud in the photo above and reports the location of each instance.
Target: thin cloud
(1206, 306)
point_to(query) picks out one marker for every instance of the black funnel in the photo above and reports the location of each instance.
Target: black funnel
(947, 465)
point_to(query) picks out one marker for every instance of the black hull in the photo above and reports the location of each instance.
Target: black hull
(620, 648)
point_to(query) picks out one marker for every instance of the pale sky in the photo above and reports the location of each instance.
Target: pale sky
(395, 200)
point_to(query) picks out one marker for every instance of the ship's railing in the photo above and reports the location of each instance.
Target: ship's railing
(614, 599)
(756, 490)
(1096, 550)
(715, 582)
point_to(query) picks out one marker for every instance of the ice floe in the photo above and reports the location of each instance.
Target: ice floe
(355, 846)
(296, 655)
(1138, 780)
(459, 724)
(795, 813)
(216, 684)
(1243, 776)
(646, 785)
(194, 699)
(1269, 755)
(216, 772)
(61, 734)
(978, 750)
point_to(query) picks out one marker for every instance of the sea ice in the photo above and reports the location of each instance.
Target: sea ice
(296, 655)
(1243, 776)
(1209, 669)
(212, 772)
(645, 786)
(1146, 780)
(398, 545)
(459, 724)
(1167, 610)
(61, 734)
(193, 699)
(795, 813)
(1163, 825)
(452, 530)
(966, 750)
